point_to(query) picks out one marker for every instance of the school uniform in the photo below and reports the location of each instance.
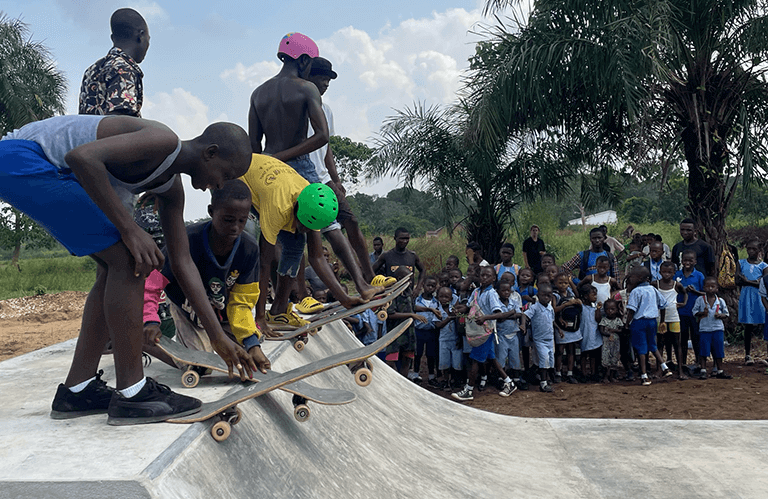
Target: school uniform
(711, 329)
(645, 301)
(543, 333)
(489, 302)
(508, 349)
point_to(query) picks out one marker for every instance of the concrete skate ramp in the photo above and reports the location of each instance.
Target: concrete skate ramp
(396, 440)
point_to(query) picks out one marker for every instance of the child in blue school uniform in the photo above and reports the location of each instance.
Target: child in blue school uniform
(508, 348)
(450, 356)
(645, 307)
(568, 311)
(751, 310)
(490, 309)
(693, 282)
(542, 317)
(591, 339)
(427, 306)
(710, 309)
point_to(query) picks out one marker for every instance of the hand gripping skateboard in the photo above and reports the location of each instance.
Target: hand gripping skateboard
(302, 392)
(225, 410)
(379, 303)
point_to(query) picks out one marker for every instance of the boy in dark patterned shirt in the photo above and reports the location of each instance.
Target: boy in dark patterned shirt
(113, 84)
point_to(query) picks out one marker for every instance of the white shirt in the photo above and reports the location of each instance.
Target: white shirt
(318, 155)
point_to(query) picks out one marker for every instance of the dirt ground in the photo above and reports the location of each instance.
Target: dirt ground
(31, 323)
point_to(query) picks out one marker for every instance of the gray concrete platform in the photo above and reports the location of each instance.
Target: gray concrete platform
(397, 440)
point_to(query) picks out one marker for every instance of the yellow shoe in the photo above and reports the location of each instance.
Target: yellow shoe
(289, 318)
(380, 280)
(309, 306)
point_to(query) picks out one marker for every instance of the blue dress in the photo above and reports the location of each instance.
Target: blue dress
(751, 310)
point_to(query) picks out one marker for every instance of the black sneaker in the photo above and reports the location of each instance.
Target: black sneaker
(94, 399)
(155, 402)
(521, 384)
(433, 383)
(546, 388)
(573, 380)
(722, 375)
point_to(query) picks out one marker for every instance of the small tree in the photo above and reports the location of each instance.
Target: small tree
(351, 157)
(16, 229)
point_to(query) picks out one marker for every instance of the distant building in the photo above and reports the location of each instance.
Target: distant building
(603, 218)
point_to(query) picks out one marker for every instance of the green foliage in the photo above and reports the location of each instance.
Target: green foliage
(49, 275)
(17, 229)
(410, 208)
(634, 85)
(350, 157)
(31, 86)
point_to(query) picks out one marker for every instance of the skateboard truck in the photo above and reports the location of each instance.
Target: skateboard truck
(363, 372)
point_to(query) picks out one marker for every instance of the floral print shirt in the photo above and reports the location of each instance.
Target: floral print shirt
(112, 85)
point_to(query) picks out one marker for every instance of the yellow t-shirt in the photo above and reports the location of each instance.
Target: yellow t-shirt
(274, 187)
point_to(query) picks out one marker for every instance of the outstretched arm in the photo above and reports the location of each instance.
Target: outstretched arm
(324, 271)
(171, 207)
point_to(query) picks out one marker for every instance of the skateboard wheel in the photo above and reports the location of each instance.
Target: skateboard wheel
(363, 376)
(313, 332)
(190, 379)
(382, 315)
(301, 413)
(220, 431)
(298, 345)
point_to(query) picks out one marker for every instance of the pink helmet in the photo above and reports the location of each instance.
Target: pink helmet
(294, 45)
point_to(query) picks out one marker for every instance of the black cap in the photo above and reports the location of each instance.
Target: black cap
(321, 66)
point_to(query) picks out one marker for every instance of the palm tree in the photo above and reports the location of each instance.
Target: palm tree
(640, 84)
(434, 148)
(31, 89)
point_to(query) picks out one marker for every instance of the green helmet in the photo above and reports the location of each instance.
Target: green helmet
(318, 206)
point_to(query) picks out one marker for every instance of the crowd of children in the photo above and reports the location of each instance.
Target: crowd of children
(506, 323)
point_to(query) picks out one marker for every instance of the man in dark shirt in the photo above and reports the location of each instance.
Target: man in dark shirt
(705, 255)
(401, 256)
(533, 248)
(113, 84)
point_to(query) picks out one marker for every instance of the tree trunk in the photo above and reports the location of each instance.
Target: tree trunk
(15, 256)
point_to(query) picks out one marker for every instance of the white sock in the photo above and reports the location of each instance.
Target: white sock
(543, 384)
(470, 388)
(80, 386)
(133, 390)
(507, 380)
(570, 373)
(663, 366)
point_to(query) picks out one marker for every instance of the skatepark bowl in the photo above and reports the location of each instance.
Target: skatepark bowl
(396, 440)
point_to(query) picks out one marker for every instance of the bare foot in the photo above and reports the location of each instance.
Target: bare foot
(369, 292)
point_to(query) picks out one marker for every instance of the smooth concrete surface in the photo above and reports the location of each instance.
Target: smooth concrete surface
(396, 441)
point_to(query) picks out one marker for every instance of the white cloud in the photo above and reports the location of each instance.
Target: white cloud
(93, 15)
(185, 113)
(253, 75)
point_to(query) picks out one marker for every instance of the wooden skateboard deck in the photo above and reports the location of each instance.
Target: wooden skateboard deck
(225, 409)
(210, 360)
(381, 302)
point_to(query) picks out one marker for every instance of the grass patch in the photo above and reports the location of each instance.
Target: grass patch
(46, 275)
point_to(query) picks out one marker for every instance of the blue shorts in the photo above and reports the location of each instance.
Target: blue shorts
(53, 198)
(508, 351)
(712, 342)
(486, 351)
(304, 167)
(450, 356)
(545, 353)
(643, 335)
(292, 252)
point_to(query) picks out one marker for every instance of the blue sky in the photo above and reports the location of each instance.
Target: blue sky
(205, 59)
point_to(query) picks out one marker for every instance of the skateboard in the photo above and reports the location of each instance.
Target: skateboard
(227, 413)
(379, 303)
(302, 392)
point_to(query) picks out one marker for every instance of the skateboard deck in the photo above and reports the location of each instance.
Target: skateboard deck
(226, 410)
(335, 307)
(210, 360)
(379, 302)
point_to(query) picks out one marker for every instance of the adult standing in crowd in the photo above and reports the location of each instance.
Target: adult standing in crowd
(113, 84)
(705, 255)
(533, 249)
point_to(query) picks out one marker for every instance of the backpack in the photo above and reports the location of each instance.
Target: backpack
(585, 258)
(477, 334)
(569, 318)
(726, 272)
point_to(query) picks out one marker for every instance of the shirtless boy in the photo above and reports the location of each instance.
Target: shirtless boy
(281, 110)
(76, 176)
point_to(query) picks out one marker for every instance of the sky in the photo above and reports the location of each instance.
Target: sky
(205, 58)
